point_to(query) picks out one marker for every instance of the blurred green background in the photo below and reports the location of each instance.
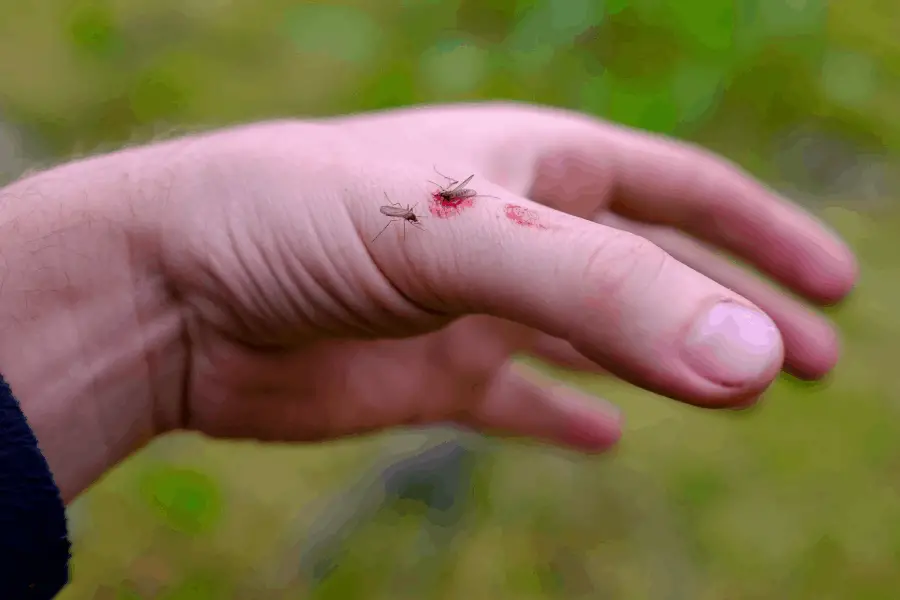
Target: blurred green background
(797, 500)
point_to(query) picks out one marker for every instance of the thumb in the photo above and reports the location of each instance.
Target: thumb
(617, 298)
(520, 403)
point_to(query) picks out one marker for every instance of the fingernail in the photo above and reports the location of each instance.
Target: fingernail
(733, 345)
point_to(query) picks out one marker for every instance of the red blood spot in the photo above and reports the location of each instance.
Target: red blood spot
(523, 216)
(444, 209)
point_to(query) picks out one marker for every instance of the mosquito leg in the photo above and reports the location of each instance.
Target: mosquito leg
(382, 231)
(392, 203)
(450, 179)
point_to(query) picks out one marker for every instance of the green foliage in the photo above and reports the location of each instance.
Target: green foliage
(196, 587)
(92, 30)
(185, 500)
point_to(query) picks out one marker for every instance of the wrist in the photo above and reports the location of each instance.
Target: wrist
(89, 337)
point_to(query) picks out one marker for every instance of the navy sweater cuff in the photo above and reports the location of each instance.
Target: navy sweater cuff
(34, 545)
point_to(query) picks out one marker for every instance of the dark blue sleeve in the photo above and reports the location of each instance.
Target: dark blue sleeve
(34, 545)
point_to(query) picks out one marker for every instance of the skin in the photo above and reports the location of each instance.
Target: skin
(227, 283)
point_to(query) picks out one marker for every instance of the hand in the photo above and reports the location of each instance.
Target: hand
(279, 268)
(267, 311)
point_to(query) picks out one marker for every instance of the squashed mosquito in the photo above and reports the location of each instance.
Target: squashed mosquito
(456, 192)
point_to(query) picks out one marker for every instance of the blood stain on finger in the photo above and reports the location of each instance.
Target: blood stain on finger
(523, 216)
(448, 201)
(444, 209)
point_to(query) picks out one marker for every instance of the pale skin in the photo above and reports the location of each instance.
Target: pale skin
(227, 283)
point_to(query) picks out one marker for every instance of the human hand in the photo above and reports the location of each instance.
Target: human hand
(267, 311)
(277, 262)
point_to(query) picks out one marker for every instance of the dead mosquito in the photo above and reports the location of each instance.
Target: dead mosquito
(455, 192)
(398, 212)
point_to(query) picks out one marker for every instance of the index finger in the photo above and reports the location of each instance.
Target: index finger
(668, 183)
(662, 181)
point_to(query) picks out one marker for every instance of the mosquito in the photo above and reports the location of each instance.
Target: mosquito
(455, 192)
(398, 212)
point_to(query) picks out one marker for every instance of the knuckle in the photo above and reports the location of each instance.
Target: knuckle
(699, 173)
(624, 265)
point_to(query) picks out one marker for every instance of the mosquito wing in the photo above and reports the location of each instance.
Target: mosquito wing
(466, 193)
(396, 212)
(462, 185)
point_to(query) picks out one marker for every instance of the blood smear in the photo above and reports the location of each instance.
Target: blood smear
(523, 216)
(444, 209)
